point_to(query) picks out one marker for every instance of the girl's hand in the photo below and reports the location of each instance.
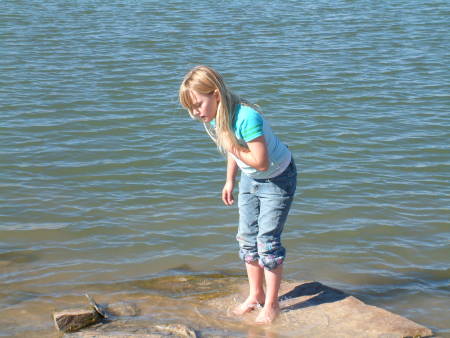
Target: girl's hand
(227, 193)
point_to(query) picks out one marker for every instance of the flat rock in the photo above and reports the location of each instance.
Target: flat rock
(311, 309)
(123, 330)
(122, 309)
(308, 309)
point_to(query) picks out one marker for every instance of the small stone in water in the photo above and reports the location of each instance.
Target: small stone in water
(73, 320)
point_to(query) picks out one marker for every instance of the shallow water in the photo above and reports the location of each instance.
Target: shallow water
(105, 180)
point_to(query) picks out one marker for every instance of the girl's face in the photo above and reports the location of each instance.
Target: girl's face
(204, 106)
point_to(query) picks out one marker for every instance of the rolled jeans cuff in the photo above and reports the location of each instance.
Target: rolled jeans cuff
(268, 262)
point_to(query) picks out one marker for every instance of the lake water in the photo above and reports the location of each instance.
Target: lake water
(107, 185)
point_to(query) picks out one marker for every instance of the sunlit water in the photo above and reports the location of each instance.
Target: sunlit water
(106, 182)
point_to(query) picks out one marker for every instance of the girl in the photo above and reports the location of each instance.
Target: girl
(267, 183)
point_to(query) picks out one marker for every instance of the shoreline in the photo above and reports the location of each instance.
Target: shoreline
(308, 309)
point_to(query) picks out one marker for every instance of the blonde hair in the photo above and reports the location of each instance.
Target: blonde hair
(205, 80)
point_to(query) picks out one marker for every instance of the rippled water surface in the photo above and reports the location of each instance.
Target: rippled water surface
(106, 182)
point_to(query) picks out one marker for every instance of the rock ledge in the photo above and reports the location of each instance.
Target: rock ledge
(308, 309)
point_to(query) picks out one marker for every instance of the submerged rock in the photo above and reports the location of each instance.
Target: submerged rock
(177, 329)
(122, 309)
(124, 330)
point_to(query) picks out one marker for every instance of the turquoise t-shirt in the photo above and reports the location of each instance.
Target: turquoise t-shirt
(250, 124)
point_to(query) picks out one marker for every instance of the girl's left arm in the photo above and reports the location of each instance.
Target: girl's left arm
(256, 155)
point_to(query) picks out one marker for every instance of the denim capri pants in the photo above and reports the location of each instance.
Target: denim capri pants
(263, 209)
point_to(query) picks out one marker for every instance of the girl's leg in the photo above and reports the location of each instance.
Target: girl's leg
(255, 275)
(276, 198)
(246, 236)
(271, 306)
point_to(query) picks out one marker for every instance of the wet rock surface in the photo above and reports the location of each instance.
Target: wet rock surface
(75, 319)
(308, 309)
(124, 330)
(311, 309)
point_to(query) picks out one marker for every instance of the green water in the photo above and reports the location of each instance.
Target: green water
(105, 181)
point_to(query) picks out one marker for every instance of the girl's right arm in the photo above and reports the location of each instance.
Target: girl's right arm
(227, 191)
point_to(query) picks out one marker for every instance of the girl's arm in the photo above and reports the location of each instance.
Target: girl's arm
(256, 156)
(227, 191)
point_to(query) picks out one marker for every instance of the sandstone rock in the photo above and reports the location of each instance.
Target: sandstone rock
(117, 334)
(131, 331)
(177, 329)
(311, 309)
(308, 309)
(75, 319)
(122, 309)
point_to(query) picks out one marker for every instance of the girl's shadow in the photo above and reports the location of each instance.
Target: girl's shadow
(310, 294)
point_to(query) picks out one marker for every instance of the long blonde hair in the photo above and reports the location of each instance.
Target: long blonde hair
(205, 80)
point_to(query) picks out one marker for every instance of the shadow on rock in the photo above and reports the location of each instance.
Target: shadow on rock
(310, 294)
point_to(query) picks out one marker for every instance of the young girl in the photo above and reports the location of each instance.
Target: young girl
(267, 183)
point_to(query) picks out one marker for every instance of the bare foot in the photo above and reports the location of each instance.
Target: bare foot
(268, 314)
(248, 305)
